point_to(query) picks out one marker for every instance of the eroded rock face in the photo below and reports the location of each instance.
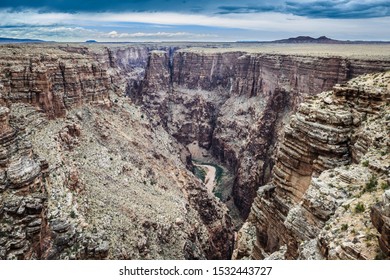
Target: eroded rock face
(323, 183)
(52, 79)
(104, 167)
(23, 196)
(380, 216)
(100, 156)
(234, 103)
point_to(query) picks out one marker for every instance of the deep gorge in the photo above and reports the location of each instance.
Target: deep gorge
(124, 103)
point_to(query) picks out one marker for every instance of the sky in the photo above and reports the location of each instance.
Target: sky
(200, 20)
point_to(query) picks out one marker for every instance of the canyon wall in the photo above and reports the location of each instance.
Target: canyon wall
(234, 103)
(77, 158)
(78, 155)
(331, 170)
(23, 195)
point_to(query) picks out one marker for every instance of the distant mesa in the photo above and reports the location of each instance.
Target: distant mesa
(308, 39)
(323, 40)
(14, 40)
(91, 41)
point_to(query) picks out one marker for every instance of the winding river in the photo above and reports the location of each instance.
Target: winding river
(210, 176)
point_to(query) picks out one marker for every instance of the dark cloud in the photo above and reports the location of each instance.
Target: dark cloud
(248, 9)
(339, 9)
(344, 9)
(105, 5)
(313, 9)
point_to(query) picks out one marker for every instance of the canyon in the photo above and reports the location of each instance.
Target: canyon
(94, 157)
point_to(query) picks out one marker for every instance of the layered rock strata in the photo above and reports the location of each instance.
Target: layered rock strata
(331, 166)
(103, 157)
(52, 79)
(23, 196)
(233, 103)
(380, 216)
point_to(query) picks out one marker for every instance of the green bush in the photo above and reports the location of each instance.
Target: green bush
(346, 207)
(359, 208)
(384, 186)
(73, 214)
(365, 163)
(372, 184)
(344, 227)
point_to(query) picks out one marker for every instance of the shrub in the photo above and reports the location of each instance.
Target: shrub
(73, 214)
(346, 207)
(344, 227)
(372, 184)
(359, 208)
(380, 255)
(384, 186)
(365, 163)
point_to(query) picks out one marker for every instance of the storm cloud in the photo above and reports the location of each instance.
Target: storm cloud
(313, 9)
(219, 20)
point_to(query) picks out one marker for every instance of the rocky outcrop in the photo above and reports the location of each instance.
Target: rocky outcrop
(23, 196)
(380, 216)
(52, 79)
(317, 203)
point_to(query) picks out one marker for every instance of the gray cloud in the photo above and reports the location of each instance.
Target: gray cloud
(339, 9)
(310, 8)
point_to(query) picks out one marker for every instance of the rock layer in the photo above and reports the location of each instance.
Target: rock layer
(380, 216)
(233, 103)
(102, 157)
(23, 196)
(99, 155)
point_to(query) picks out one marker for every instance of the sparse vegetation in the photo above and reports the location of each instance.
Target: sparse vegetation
(344, 227)
(384, 186)
(371, 185)
(370, 237)
(380, 255)
(359, 208)
(365, 163)
(346, 207)
(73, 214)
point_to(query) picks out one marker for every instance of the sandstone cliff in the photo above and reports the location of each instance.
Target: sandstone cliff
(84, 172)
(332, 166)
(233, 103)
(23, 195)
